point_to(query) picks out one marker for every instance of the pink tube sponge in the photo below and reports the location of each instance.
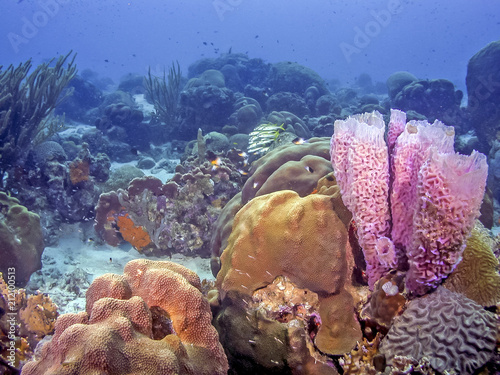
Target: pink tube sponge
(415, 198)
(449, 191)
(361, 164)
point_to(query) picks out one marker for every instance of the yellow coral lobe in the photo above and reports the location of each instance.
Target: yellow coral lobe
(39, 315)
(131, 233)
(476, 276)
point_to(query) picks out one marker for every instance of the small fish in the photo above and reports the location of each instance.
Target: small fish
(205, 43)
(110, 260)
(106, 60)
(214, 160)
(242, 172)
(299, 141)
(134, 151)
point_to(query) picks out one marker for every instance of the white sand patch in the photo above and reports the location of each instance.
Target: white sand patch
(161, 174)
(144, 106)
(69, 268)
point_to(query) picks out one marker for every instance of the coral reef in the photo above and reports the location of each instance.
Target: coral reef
(483, 94)
(426, 182)
(452, 331)
(60, 190)
(303, 239)
(397, 81)
(273, 169)
(164, 93)
(155, 314)
(292, 77)
(361, 359)
(289, 167)
(238, 69)
(21, 239)
(120, 121)
(247, 113)
(288, 101)
(25, 101)
(386, 301)
(206, 106)
(25, 321)
(85, 96)
(434, 99)
(172, 217)
(291, 123)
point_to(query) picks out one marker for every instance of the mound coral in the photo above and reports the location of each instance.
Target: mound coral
(271, 172)
(289, 167)
(452, 331)
(21, 239)
(428, 194)
(303, 240)
(152, 320)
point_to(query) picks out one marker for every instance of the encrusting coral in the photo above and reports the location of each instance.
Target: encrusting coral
(34, 317)
(152, 320)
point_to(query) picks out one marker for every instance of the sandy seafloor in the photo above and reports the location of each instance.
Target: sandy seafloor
(69, 268)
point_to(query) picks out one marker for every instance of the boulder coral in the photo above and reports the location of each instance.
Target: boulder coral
(304, 240)
(296, 167)
(152, 320)
(483, 93)
(21, 239)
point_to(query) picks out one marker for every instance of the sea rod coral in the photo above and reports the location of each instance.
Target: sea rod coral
(411, 197)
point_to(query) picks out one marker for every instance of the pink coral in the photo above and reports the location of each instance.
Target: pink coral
(435, 194)
(152, 320)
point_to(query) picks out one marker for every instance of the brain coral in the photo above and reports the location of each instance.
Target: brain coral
(152, 320)
(476, 276)
(452, 331)
(302, 239)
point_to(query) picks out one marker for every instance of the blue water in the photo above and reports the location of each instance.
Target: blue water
(338, 39)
